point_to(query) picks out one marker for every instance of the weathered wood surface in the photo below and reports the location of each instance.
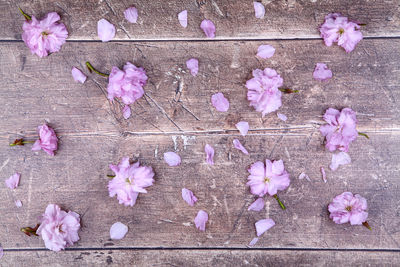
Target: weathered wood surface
(233, 19)
(194, 258)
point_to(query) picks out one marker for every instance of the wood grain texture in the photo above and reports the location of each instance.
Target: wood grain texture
(233, 19)
(194, 258)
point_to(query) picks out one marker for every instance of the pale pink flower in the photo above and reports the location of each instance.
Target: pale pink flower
(257, 205)
(59, 229)
(118, 231)
(268, 178)
(18, 203)
(182, 17)
(172, 159)
(341, 158)
(265, 51)
(47, 140)
(340, 130)
(13, 181)
(131, 14)
(281, 116)
(208, 27)
(239, 146)
(209, 154)
(263, 225)
(201, 220)
(220, 103)
(193, 65)
(78, 75)
(337, 28)
(321, 72)
(129, 181)
(263, 92)
(126, 112)
(259, 10)
(323, 174)
(44, 36)
(243, 127)
(105, 30)
(348, 208)
(126, 84)
(188, 196)
(253, 242)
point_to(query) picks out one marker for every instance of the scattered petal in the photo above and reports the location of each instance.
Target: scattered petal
(201, 220)
(238, 145)
(257, 205)
(323, 174)
(263, 225)
(105, 30)
(182, 17)
(209, 154)
(220, 102)
(303, 175)
(281, 116)
(131, 14)
(341, 158)
(321, 72)
(259, 10)
(18, 203)
(118, 231)
(193, 65)
(172, 159)
(265, 51)
(13, 181)
(348, 208)
(126, 112)
(208, 27)
(243, 127)
(47, 141)
(253, 241)
(188, 196)
(78, 75)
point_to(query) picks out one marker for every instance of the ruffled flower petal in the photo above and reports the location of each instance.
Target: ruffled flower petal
(209, 154)
(265, 51)
(193, 65)
(238, 145)
(259, 10)
(172, 159)
(208, 27)
(182, 17)
(243, 127)
(13, 181)
(348, 208)
(118, 231)
(201, 220)
(188, 196)
(220, 103)
(131, 14)
(257, 205)
(321, 72)
(263, 225)
(105, 30)
(78, 75)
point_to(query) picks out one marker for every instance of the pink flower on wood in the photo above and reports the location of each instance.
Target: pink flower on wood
(44, 36)
(182, 17)
(209, 154)
(193, 65)
(263, 93)
(13, 181)
(264, 225)
(129, 181)
(348, 208)
(131, 14)
(188, 196)
(105, 30)
(208, 27)
(220, 102)
(321, 72)
(201, 220)
(78, 75)
(47, 140)
(268, 178)
(59, 229)
(340, 129)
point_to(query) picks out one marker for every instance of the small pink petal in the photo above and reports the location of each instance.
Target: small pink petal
(13, 181)
(126, 112)
(323, 174)
(208, 27)
(263, 225)
(220, 102)
(201, 220)
(118, 231)
(265, 51)
(131, 14)
(36, 146)
(18, 203)
(243, 127)
(253, 241)
(1, 252)
(78, 75)
(172, 159)
(341, 158)
(257, 205)
(303, 175)
(281, 116)
(193, 65)
(209, 154)
(188, 196)
(238, 145)
(105, 30)
(321, 72)
(259, 10)
(182, 17)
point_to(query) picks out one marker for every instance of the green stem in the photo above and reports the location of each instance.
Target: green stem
(367, 225)
(363, 24)
(363, 134)
(288, 91)
(30, 231)
(27, 17)
(91, 68)
(280, 202)
(21, 142)
(110, 176)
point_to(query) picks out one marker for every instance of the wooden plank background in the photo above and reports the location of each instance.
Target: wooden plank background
(93, 134)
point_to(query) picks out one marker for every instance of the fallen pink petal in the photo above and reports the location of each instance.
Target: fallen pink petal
(257, 205)
(243, 127)
(131, 15)
(201, 220)
(281, 116)
(1, 252)
(323, 174)
(47, 141)
(264, 225)
(78, 75)
(118, 231)
(303, 175)
(346, 208)
(18, 203)
(239, 146)
(209, 154)
(208, 27)
(321, 72)
(105, 30)
(253, 242)
(172, 159)
(265, 51)
(259, 10)
(193, 65)
(220, 103)
(183, 17)
(126, 112)
(188, 196)
(341, 158)
(13, 181)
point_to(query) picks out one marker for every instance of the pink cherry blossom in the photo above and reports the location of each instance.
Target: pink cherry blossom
(172, 159)
(323, 174)
(259, 10)
(268, 178)
(337, 28)
(188, 196)
(220, 103)
(257, 205)
(243, 127)
(201, 220)
(59, 229)
(47, 140)
(126, 84)
(348, 208)
(44, 36)
(131, 14)
(182, 17)
(341, 158)
(264, 225)
(126, 112)
(208, 27)
(239, 146)
(340, 130)
(118, 231)
(78, 75)
(265, 51)
(281, 116)
(13, 181)
(321, 72)
(209, 154)
(129, 181)
(263, 92)
(193, 65)
(105, 30)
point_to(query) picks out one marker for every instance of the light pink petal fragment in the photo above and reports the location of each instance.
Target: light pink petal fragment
(257, 205)
(13, 181)
(253, 242)
(118, 231)
(243, 127)
(188, 196)
(321, 72)
(281, 116)
(238, 145)
(18, 203)
(220, 102)
(131, 14)
(265, 51)
(182, 17)
(78, 75)
(126, 112)
(263, 225)
(259, 10)
(303, 175)
(341, 158)
(1, 252)
(193, 65)
(208, 27)
(201, 220)
(323, 174)
(105, 30)
(209, 154)
(172, 159)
